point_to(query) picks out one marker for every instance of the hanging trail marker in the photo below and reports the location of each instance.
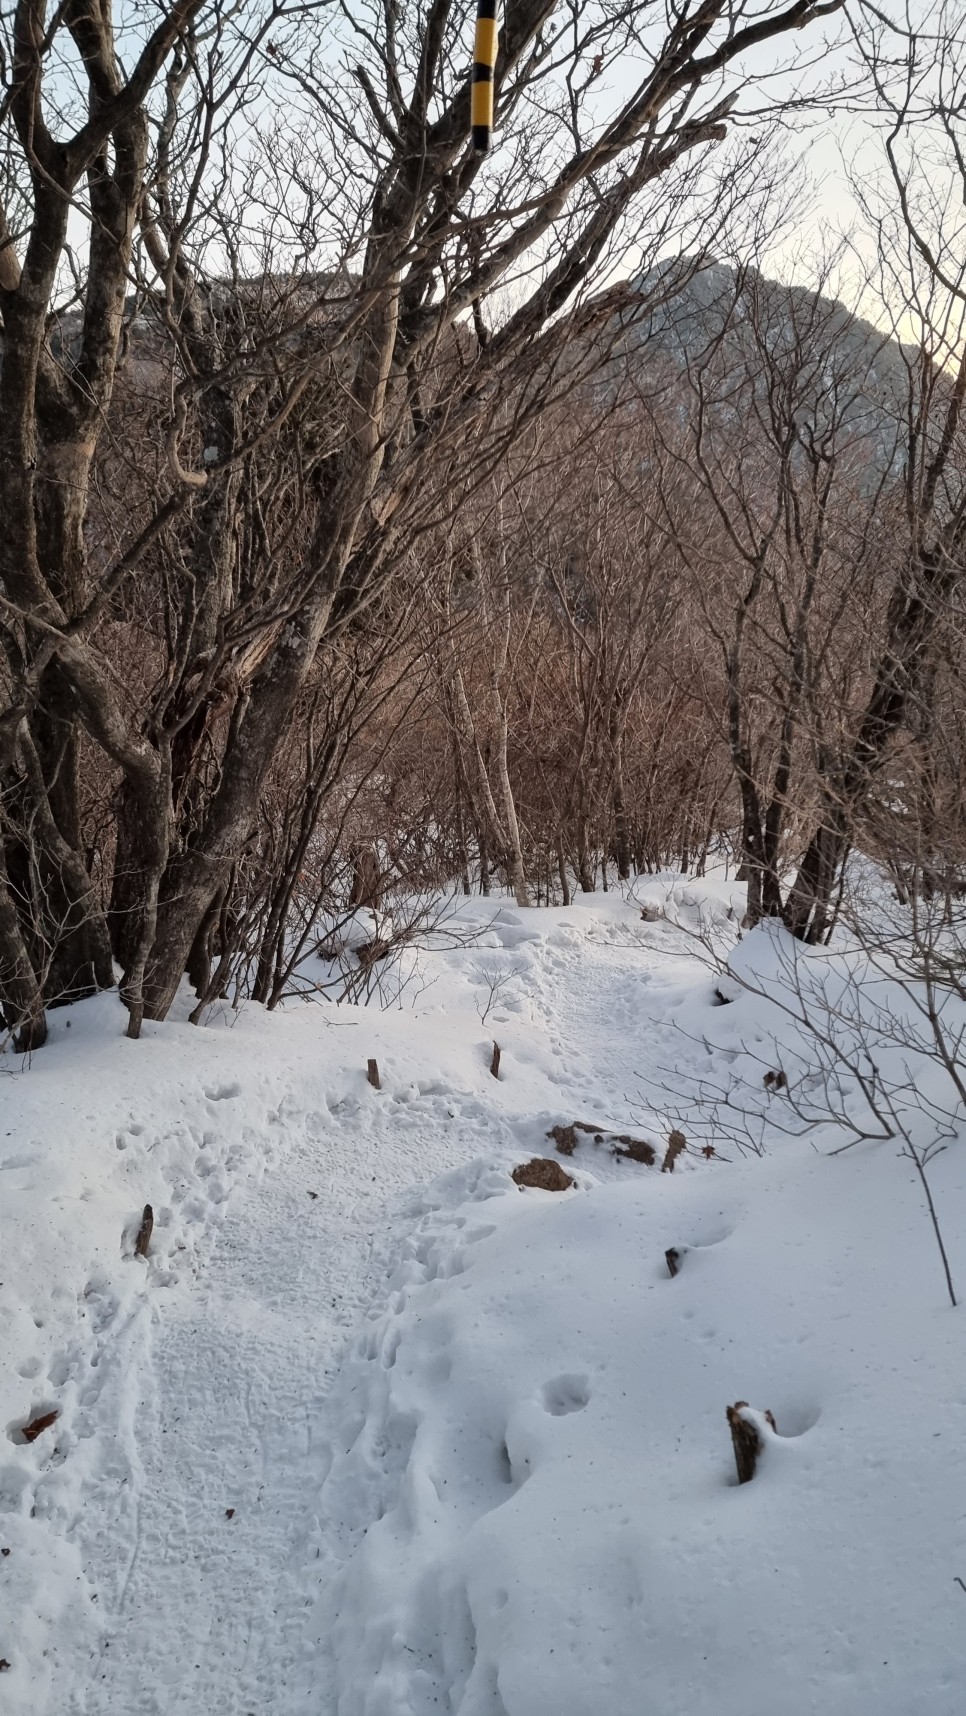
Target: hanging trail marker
(484, 62)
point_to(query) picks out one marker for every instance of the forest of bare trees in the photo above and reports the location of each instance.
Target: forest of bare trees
(382, 517)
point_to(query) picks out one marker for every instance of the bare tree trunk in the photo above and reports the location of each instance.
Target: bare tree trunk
(80, 957)
(562, 868)
(917, 604)
(622, 824)
(807, 908)
(496, 813)
(585, 859)
(516, 872)
(485, 884)
(192, 879)
(20, 990)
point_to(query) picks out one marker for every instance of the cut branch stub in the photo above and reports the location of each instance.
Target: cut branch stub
(144, 1232)
(746, 1438)
(373, 1075)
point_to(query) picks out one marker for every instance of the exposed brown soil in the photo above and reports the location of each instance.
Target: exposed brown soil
(544, 1173)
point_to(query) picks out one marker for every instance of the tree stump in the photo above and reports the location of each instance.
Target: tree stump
(373, 1075)
(675, 1144)
(746, 1439)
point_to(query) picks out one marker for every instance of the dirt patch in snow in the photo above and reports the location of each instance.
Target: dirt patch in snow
(635, 1149)
(544, 1173)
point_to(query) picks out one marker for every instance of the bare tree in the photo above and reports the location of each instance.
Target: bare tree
(308, 361)
(774, 494)
(922, 264)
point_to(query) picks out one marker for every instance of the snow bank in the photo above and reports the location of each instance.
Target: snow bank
(536, 1450)
(533, 1507)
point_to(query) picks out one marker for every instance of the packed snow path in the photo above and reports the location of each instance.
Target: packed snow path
(225, 1441)
(282, 1187)
(231, 1379)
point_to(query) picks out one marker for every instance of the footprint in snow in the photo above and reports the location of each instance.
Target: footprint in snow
(795, 1416)
(565, 1394)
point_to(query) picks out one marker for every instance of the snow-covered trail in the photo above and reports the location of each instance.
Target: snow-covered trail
(220, 1404)
(371, 1434)
(206, 1437)
(609, 1002)
(231, 1382)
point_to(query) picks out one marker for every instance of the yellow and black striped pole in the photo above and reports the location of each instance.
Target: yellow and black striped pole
(484, 60)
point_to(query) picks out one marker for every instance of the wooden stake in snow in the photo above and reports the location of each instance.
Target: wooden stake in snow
(31, 1431)
(675, 1144)
(373, 1075)
(495, 1061)
(746, 1439)
(144, 1232)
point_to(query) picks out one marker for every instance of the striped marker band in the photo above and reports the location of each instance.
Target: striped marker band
(484, 60)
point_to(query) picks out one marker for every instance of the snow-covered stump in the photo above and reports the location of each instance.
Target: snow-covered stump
(746, 1437)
